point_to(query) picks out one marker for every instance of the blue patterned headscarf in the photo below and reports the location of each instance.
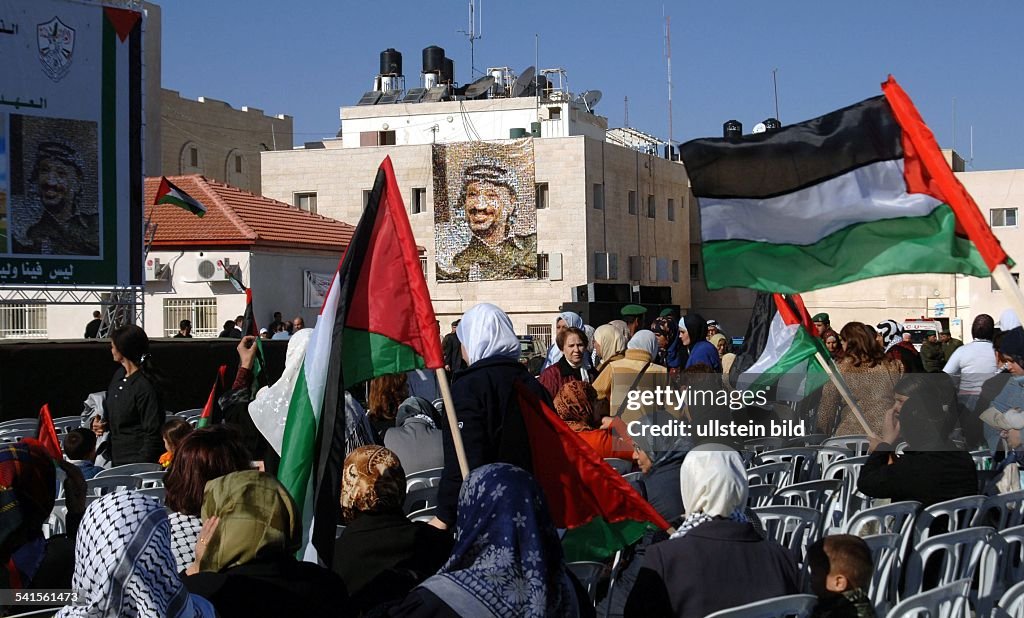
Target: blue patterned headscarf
(507, 559)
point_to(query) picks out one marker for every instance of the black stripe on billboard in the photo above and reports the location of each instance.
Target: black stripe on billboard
(135, 154)
(778, 162)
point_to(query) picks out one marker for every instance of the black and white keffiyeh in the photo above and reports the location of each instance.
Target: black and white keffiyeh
(124, 566)
(184, 534)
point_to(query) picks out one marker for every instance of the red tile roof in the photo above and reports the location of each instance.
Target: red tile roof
(239, 218)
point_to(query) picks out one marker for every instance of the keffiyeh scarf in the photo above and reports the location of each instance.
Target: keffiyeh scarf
(694, 520)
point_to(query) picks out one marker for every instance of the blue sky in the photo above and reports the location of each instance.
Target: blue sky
(308, 58)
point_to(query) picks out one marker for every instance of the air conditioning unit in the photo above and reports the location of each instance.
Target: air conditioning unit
(155, 271)
(209, 269)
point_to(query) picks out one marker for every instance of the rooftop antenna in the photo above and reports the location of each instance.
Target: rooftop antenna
(474, 33)
(954, 124)
(668, 56)
(775, 87)
(626, 103)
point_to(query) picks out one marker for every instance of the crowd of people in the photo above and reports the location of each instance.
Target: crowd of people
(225, 540)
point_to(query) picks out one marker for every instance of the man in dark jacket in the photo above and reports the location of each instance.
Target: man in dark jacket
(931, 353)
(452, 348)
(486, 401)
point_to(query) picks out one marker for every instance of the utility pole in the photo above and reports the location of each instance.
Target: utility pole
(668, 56)
(625, 101)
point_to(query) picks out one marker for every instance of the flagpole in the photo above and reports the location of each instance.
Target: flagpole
(841, 387)
(1003, 278)
(453, 422)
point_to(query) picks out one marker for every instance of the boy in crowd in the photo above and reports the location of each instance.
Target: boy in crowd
(80, 449)
(841, 569)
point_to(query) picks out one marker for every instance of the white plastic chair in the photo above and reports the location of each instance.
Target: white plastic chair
(796, 605)
(779, 474)
(817, 495)
(1002, 511)
(424, 515)
(793, 527)
(893, 518)
(153, 492)
(960, 553)
(151, 479)
(130, 469)
(885, 555)
(98, 486)
(958, 514)
(1001, 565)
(856, 443)
(850, 500)
(760, 494)
(949, 601)
(420, 498)
(803, 461)
(1011, 604)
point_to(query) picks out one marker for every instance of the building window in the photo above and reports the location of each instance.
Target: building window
(24, 320)
(554, 113)
(306, 201)
(366, 197)
(419, 200)
(632, 203)
(675, 271)
(671, 209)
(193, 156)
(1003, 217)
(1016, 280)
(386, 138)
(600, 265)
(694, 271)
(238, 164)
(613, 266)
(543, 266)
(541, 333)
(598, 196)
(541, 191)
(423, 263)
(202, 312)
(652, 207)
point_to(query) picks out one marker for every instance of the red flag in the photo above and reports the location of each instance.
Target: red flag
(48, 433)
(211, 402)
(600, 509)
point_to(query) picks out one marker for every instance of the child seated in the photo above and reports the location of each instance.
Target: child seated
(841, 569)
(173, 431)
(80, 449)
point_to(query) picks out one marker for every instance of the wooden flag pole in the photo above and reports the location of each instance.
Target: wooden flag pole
(841, 387)
(453, 422)
(1003, 278)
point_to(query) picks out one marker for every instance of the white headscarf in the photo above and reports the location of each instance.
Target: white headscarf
(622, 328)
(486, 332)
(572, 320)
(646, 341)
(269, 410)
(713, 481)
(124, 566)
(1008, 320)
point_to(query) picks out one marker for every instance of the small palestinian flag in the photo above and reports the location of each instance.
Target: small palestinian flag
(360, 334)
(212, 414)
(170, 194)
(858, 193)
(249, 327)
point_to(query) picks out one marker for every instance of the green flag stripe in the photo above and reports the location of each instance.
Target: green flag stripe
(801, 350)
(367, 355)
(888, 247)
(180, 203)
(299, 442)
(597, 539)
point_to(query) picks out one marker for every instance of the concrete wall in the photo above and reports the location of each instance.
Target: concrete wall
(219, 133)
(571, 226)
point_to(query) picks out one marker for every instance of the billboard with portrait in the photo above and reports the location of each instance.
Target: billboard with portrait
(70, 144)
(485, 212)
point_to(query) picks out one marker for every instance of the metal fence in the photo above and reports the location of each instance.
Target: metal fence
(202, 312)
(24, 320)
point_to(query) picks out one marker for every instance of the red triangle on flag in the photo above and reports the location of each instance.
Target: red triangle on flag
(48, 433)
(122, 20)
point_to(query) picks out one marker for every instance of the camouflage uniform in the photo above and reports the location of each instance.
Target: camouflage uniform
(78, 236)
(514, 258)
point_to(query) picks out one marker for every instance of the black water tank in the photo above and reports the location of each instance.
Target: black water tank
(448, 71)
(772, 124)
(542, 85)
(433, 59)
(390, 62)
(732, 129)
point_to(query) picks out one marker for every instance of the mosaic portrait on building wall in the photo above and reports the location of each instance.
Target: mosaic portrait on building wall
(485, 213)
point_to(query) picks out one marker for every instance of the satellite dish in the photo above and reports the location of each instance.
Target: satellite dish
(524, 82)
(759, 128)
(479, 87)
(590, 98)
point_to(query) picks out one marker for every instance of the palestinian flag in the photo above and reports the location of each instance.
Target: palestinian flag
(790, 349)
(211, 411)
(250, 328)
(170, 194)
(359, 335)
(599, 509)
(861, 192)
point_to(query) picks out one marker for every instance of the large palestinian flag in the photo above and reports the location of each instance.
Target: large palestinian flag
(376, 319)
(861, 192)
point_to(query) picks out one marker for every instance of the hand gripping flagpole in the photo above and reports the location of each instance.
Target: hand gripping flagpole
(453, 421)
(841, 387)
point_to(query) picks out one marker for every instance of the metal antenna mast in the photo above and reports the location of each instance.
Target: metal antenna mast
(668, 56)
(474, 33)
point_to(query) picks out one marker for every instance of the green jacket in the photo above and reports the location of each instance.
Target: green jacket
(949, 347)
(932, 357)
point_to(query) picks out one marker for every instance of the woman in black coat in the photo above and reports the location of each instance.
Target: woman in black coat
(134, 409)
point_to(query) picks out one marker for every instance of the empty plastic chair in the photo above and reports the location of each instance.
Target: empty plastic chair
(817, 495)
(811, 439)
(760, 495)
(893, 518)
(1002, 564)
(420, 498)
(1002, 511)
(1011, 604)
(779, 474)
(151, 479)
(795, 605)
(793, 527)
(589, 574)
(948, 516)
(850, 500)
(131, 469)
(856, 443)
(804, 461)
(760, 445)
(433, 473)
(622, 466)
(101, 486)
(960, 553)
(885, 555)
(949, 601)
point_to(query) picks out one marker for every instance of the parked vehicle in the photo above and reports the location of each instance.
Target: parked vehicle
(531, 353)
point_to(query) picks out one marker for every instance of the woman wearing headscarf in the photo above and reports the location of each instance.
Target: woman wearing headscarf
(416, 439)
(890, 336)
(669, 348)
(564, 320)
(507, 560)
(716, 559)
(94, 418)
(609, 344)
(640, 354)
(623, 328)
(245, 558)
(592, 358)
(135, 411)
(658, 458)
(486, 398)
(381, 555)
(124, 565)
(693, 335)
(572, 366)
(574, 404)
